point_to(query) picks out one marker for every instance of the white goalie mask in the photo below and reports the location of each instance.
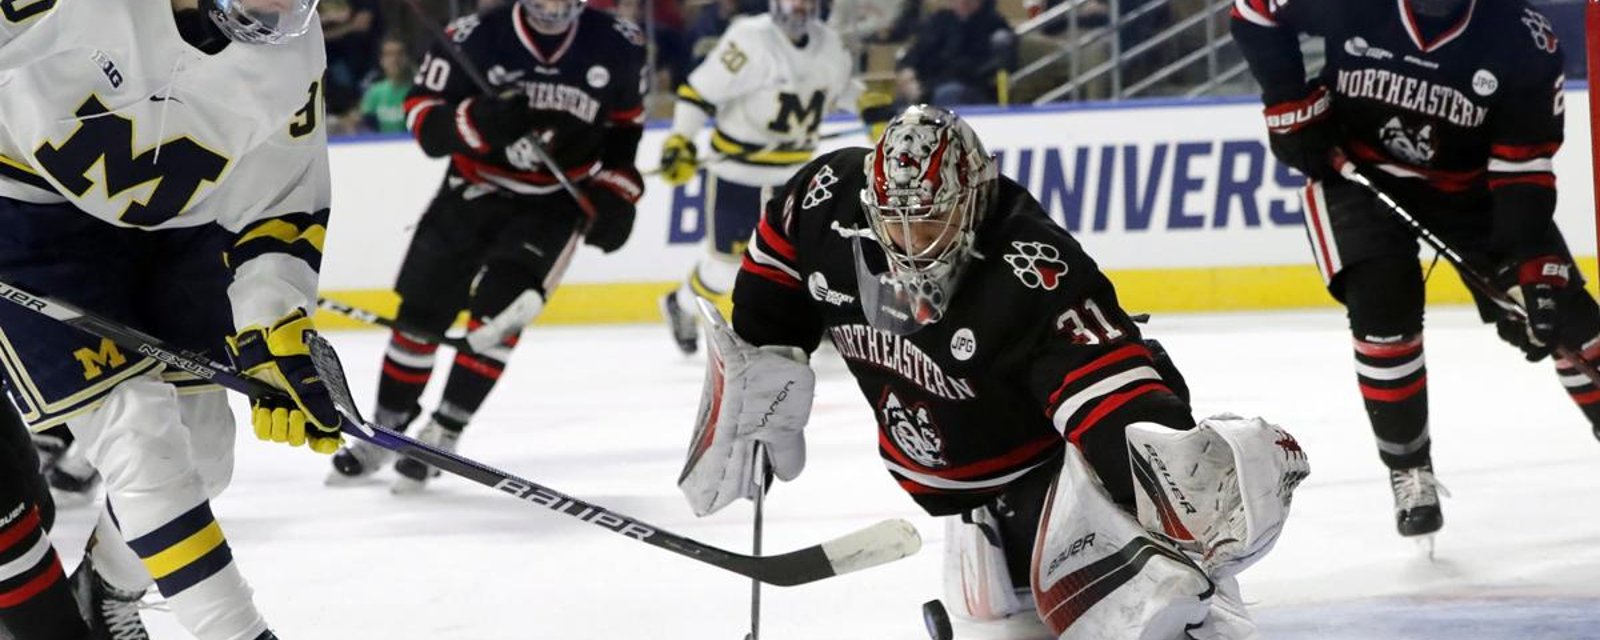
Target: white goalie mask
(930, 184)
(793, 17)
(551, 16)
(262, 21)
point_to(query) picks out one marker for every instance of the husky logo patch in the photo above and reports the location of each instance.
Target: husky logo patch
(1037, 265)
(818, 192)
(913, 431)
(1412, 146)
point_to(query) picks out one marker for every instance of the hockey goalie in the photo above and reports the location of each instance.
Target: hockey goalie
(1012, 394)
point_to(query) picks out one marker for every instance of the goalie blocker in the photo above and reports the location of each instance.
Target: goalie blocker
(1011, 392)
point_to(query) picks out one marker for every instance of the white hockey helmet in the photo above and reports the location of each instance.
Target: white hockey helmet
(929, 186)
(262, 21)
(551, 16)
(793, 17)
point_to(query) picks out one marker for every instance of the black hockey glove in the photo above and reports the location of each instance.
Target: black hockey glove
(1539, 284)
(614, 193)
(1169, 372)
(1303, 135)
(490, 123)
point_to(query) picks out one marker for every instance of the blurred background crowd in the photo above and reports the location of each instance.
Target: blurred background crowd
(947, 52)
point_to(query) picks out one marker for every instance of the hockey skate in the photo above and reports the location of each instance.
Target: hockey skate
(112, 614)
(682, 323)
(1416, 502)
(414, 475)
(360, 459)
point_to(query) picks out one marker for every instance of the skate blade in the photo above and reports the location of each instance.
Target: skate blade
(1426, 544)
(336, 479)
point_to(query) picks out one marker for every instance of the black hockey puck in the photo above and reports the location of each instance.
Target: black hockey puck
(937, 619)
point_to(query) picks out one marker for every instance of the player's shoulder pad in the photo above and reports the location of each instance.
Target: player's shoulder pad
(471, 28)
(825, 186)
(610, 28)
(748, 30)
(1044, 260)
(1527, 41)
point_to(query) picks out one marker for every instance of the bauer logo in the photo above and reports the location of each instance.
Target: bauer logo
(586, 512)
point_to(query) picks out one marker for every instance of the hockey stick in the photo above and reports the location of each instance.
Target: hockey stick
(477, 77)
(458, 343)
(1471, 275)
(883, 542)
(831, 135)
(761, 473)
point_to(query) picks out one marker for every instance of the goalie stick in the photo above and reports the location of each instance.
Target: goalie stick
(1469, 274)
(883, 542)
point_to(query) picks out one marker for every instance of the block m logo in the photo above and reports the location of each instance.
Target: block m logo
(96, 362)
(106, 139)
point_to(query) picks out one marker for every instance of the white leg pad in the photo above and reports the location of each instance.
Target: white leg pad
(977, 578)
(1097, 574)
(1221, 490)
(1228, 619)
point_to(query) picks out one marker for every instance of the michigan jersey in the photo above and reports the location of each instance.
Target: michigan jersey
(768, 96)
(104, 105)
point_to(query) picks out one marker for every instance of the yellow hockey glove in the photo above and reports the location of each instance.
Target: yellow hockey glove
(677, 160)
(279, 356)
(876, 109)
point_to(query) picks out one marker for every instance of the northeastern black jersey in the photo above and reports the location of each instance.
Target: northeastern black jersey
(1033, 350)
(584, 86)
(1455, 107)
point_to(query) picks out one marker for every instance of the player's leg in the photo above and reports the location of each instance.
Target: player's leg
(1096, 573)
(35, 598)
(537, 240)
(164, 442)
(1369, 262)
(988, 551)
(435, 277)
(158, 507)
(732, 211)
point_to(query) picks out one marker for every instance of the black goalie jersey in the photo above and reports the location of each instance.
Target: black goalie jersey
(1452, 108)
(1033, 349)
(585, 87)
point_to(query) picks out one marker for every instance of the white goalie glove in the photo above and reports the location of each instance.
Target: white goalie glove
(1220, 490)
(751, 395)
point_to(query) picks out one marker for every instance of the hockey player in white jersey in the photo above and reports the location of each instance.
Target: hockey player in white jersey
(768, 83)
(164, 163)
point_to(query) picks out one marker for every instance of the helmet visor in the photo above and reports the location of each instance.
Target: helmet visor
(264, 21)
(900, 303)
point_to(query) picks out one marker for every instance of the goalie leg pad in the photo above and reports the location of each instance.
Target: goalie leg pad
(1098, 574)
(1221, 490)
(977, 577)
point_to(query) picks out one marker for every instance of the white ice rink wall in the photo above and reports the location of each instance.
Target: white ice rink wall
(1180, 201)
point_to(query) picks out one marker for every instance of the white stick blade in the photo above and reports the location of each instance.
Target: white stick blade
(884, 542)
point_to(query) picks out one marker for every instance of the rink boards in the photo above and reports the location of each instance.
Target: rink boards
(1179, 200)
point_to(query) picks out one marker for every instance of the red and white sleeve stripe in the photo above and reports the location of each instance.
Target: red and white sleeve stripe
(417, 108)
(772, 256)
(1522, 164)
(1091, 392)
(1257, 12)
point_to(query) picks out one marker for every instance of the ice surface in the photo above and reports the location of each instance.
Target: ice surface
(605, 413)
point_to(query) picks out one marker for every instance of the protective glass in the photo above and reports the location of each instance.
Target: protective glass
(264, 21)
